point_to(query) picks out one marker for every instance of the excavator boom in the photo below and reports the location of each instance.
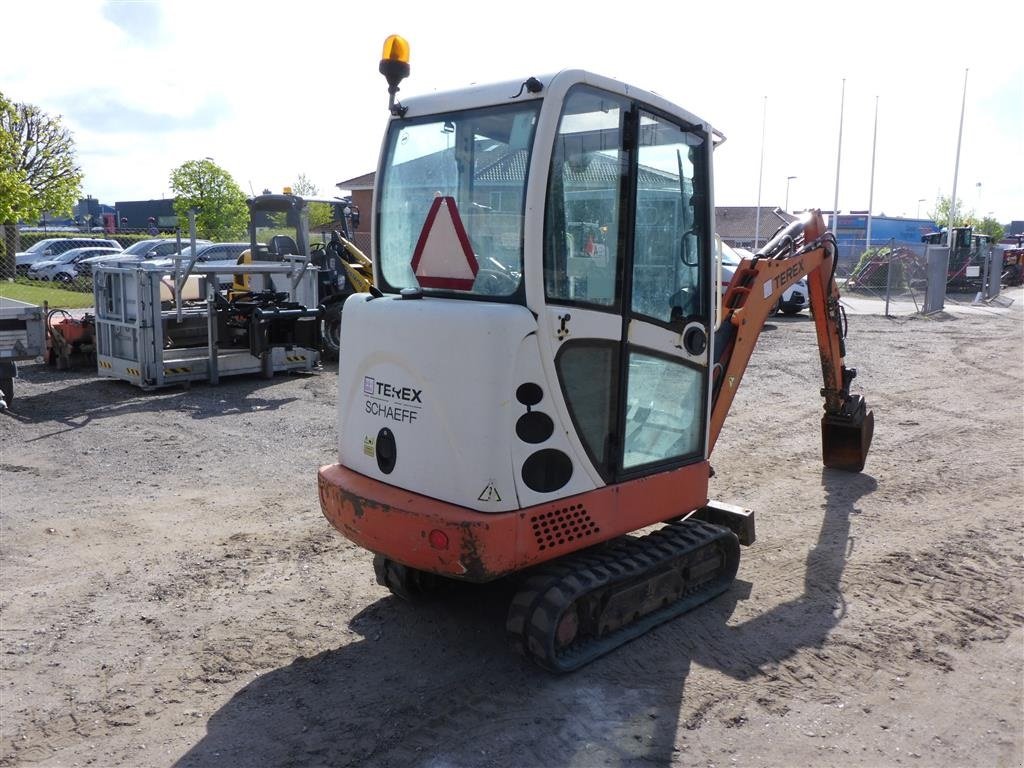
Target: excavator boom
(804, 247)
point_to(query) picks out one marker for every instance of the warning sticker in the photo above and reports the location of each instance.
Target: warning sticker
(490, 493)
(369, 446)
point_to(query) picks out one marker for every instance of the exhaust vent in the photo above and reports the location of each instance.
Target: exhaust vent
(562, 526)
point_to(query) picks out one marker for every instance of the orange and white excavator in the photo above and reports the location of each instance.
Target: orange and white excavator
(545, 364)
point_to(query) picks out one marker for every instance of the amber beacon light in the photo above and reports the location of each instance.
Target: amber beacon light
(394, 65)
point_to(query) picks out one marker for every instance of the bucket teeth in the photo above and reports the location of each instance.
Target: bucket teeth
(846, 437)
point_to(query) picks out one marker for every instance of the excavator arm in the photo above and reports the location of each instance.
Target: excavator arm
(805, 247)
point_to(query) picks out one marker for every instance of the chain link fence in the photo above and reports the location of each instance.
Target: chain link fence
(60, 249)
(900, 275)
(65, 259)
(887, 271)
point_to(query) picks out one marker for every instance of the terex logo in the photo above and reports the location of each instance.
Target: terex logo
(380, 397)
(408, 394)
(382, 389)
(790, 275)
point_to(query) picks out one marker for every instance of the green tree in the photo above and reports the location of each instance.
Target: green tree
(303, 187)
(940, 214)
(965, 218)
(37, 169)
(320, 214)
(220, 202)
(991, 227)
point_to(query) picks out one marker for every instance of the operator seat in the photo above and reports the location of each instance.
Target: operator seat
(282, 245)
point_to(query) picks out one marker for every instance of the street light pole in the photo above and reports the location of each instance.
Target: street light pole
(760, 176)
(788, 179)
(839, 157)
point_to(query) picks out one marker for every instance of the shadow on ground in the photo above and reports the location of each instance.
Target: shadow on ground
(86, 398)
(438, 686)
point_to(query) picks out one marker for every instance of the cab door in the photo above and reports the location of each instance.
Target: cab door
(627, 273)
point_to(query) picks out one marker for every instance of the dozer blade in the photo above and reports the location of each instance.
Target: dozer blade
(845, 438)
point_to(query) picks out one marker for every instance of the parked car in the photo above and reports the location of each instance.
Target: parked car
(144, 250)
(50, 247)
(794, 298)
(211, 254)
(64, 267)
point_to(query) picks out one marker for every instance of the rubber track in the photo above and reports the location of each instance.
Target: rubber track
(546, 594)
(404, 582)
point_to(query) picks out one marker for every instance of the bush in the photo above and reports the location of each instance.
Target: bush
(27, 239)
(872, 270)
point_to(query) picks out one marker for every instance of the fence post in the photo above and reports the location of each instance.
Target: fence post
(938, 268)
(888, 275)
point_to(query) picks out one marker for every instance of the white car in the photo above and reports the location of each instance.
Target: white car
(51, 247)
(794, 299)
(64, 267)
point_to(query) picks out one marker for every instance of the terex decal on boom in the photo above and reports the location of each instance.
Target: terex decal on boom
(794, 272)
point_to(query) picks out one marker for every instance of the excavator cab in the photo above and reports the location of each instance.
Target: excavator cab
(535, 371)
(576, 222)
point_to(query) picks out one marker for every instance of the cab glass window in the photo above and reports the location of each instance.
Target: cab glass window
(582, 252)
(664, 410)
(477, 162)
(668, 282)
(589, 372)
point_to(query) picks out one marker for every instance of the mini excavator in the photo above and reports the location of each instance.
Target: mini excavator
(546, 360)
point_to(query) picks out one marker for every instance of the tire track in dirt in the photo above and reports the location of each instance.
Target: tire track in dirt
(974, 356)
(169, 605)
(894, 613)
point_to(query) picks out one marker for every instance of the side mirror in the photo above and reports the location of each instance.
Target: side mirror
(688, 250)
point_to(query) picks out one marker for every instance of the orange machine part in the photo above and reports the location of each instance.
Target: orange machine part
(73, 329)
(747, 309)
(398, 524)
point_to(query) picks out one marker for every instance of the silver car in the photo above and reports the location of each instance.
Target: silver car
(51, 247)
(143, 250)
(64, 267)
(211, 254)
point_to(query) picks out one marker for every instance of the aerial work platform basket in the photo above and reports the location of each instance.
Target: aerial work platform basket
(160, 325)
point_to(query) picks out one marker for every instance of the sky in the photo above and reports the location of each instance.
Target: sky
(270, 91)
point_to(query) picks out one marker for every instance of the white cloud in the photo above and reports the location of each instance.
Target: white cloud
(271, 90)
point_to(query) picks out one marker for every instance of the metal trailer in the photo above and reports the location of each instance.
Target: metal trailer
(157, 326)
(22, 337)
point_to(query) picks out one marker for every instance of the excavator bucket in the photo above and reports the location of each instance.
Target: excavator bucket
(846, 437)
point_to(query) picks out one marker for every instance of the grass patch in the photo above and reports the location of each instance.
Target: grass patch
(34, 293)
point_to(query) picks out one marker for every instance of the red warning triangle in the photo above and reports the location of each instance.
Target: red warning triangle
(443, 257)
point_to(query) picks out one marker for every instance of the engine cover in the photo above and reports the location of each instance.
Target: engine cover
(448, 398)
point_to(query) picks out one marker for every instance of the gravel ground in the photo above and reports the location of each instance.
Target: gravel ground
(172, 595)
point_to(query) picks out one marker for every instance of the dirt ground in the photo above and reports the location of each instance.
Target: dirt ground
(172, 595)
